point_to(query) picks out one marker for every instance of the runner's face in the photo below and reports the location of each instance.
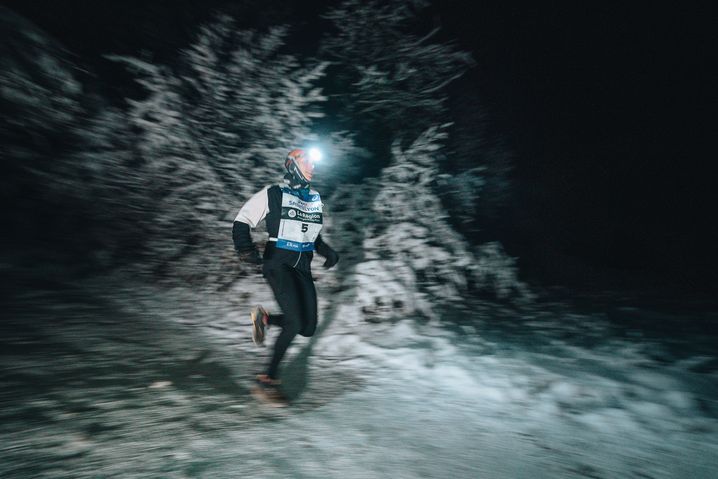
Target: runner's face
(306, 167)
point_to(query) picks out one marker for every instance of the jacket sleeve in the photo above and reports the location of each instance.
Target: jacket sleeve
(249, 216)
(241, 237)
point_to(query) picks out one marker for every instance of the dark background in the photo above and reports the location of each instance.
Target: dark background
(607, 109)
(611, 112)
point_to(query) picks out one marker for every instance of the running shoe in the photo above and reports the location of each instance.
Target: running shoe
(267, 390)
(259, 323)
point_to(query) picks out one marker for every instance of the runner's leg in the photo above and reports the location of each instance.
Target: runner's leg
(308, 299)
(285, 284)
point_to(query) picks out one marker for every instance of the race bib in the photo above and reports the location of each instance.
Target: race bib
(301, 220)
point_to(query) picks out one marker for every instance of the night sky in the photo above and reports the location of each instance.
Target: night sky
(609, 111)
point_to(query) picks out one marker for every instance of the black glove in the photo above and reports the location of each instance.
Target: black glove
(249, 257)
(331, 256)
(326, 251)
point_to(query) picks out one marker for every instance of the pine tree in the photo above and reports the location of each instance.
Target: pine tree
(212, 130)
(388, 80)
(413, 259)
(43, 121)
(476, 185)
(391, 76)
(247, 102)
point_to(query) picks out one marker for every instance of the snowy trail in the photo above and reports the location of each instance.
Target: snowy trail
(145, 393)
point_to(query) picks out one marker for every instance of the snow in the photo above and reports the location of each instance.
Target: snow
(118, 378)
(158, 387)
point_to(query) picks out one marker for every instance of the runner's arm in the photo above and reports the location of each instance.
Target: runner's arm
(249, 216)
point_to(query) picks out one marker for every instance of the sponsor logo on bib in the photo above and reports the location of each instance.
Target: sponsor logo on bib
(301, 221)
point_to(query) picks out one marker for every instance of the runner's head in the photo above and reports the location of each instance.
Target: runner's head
(300, 167)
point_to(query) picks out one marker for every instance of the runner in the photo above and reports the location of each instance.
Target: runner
(293, 212)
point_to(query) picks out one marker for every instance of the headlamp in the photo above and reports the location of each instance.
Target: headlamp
(315, 154)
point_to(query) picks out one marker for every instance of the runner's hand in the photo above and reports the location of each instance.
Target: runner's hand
(325, 250)
(331, 256)
(250, 257)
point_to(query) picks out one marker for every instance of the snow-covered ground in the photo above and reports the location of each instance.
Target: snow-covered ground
(158, 387)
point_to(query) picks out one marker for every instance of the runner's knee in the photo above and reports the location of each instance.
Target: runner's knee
(308, 330)
(291, 325)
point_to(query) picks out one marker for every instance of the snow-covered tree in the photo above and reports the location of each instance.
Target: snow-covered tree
(43, 122)
(247, 103)
(389, 77)
(155, 184)
(412, 258)
(388, 82)
(476, 184)
(214, 129)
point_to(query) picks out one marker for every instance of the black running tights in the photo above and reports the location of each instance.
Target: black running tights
(294, 291)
